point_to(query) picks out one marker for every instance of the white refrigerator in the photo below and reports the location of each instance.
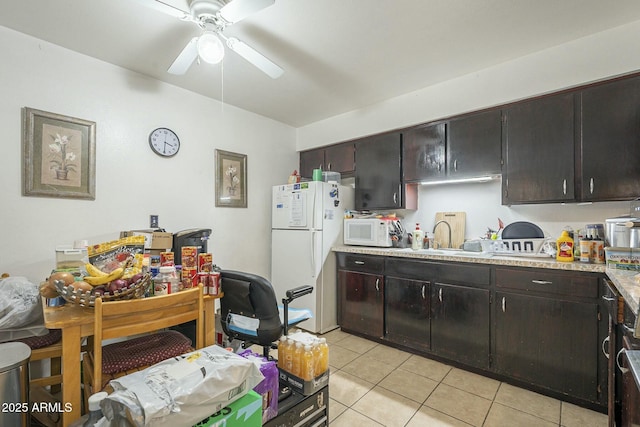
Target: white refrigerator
(307, 220)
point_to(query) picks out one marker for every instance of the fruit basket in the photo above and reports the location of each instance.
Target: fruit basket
(87, 299)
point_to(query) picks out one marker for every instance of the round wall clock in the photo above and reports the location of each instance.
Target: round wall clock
(164, 142)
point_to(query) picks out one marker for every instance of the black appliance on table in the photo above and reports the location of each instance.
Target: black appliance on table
(197, 237)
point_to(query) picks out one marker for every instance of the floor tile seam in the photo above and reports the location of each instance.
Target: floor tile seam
(444, 413)
(351, 407)
(492, 399)
(419, 374)
(558, 423)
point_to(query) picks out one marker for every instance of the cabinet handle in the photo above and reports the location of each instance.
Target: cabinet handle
(440, 294)
(608, 299)
(629, 329)
(395, 198)
(377, 285)
(604, 346)
(455, 165)
(564, 186)
(504, 304)
(623, 370)
(591, 185)
(359, 262)
(423, 291)
(439, 167)
(542, 282)
(329, 166)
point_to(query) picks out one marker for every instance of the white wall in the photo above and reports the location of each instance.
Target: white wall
(591, 58)
(131, 181)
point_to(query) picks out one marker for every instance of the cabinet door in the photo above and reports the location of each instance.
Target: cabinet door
(361, 302)
(378, 173)
(539, 151)
(310, 160)
(460, 324)
(407, 312)
(424, 153)
(630, 413)
(548, 342)
(611, 141)
(340, 158)
(474, 145)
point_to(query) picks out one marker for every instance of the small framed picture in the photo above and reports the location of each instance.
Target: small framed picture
(231, 179)
(59, 156)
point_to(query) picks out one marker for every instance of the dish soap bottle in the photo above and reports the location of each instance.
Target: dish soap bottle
(564, 247)
(417, 241)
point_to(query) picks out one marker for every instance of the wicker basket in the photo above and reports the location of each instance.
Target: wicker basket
(87, 299)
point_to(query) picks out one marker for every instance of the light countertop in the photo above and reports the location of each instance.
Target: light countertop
(624, 280)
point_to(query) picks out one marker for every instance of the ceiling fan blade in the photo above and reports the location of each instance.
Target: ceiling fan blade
(186, 58)
(253, 56)
(240, 9)
(177, 8)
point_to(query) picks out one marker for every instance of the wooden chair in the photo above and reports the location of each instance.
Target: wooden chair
(117, 319)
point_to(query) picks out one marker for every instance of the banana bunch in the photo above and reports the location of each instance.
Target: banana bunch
(98, 277)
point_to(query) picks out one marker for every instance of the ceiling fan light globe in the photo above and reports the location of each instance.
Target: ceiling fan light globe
(210, 48)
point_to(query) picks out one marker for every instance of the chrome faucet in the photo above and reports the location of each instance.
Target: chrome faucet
(442, 221)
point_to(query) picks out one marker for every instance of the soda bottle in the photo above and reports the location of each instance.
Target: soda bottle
(297, 359)
(317, 357)
(307, 364)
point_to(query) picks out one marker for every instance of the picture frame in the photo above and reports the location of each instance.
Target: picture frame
(59, 156)
(231, 179)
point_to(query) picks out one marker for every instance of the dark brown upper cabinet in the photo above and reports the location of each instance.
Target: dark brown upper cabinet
(474, 145)
(610, 141)
(378, 176)
(335, 158)
(424, 153)
(538, 150)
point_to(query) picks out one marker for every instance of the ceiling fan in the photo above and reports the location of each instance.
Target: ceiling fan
(213, 16)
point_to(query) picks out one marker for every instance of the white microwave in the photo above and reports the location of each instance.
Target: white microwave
(368, 232)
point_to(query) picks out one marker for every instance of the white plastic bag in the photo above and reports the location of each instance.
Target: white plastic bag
(181, 391)
(20, 309)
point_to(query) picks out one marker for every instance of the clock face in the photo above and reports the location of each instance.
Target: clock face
(164, 142)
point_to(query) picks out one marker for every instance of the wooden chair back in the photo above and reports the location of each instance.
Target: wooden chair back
(116, 319)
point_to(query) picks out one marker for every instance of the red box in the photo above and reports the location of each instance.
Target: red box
(205, 262)
(189, 257)
(166, 258)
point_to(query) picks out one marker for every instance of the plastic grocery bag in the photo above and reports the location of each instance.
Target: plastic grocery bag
(183, 390)
(20, 309)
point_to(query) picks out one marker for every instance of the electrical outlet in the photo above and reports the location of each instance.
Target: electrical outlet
(153, 221)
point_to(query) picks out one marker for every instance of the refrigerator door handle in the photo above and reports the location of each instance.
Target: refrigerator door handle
(313, 253)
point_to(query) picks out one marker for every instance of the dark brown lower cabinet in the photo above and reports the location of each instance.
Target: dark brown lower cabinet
(630, 399)
(361, 302)
(460, 324)
(548, 342)
(407, 312)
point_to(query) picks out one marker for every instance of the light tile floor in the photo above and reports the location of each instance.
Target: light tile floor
(376, 385)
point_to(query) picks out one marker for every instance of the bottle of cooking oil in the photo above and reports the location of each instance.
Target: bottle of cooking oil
(564, 247)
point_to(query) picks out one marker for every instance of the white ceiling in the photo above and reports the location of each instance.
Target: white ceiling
(338, 55)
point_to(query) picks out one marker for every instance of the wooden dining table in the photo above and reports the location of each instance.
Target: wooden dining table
(76, 323)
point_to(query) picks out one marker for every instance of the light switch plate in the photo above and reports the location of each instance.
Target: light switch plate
(153, 221)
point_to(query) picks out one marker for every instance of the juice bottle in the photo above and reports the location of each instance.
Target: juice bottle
(288, 355)
(282, 348)
(307, 364)
(317, 357)
(324, 358)
(297, 359)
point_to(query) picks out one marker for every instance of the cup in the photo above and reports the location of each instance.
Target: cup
(317, 174)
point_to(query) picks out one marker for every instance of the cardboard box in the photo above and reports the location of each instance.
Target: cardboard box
(244, 412)
(301, 386)
(155, 240)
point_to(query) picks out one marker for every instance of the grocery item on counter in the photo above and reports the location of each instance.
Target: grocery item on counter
(564, 247)
(417, 241)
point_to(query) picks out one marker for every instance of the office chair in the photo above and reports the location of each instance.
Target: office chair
(250, 313)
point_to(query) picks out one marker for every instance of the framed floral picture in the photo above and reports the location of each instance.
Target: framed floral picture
(59, 156)
(231, 179)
